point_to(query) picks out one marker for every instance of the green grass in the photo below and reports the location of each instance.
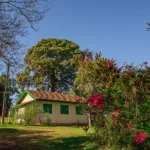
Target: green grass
(44, 138)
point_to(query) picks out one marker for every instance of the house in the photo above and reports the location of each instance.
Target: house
(61, 108)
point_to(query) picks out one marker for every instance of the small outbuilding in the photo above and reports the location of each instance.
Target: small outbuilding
(62, 109)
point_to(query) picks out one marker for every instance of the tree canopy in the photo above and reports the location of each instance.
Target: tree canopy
(49, 65)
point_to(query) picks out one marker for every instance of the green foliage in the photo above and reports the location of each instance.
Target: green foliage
(47, 119)
(124, 88)
(28, 117)
(50, 65)
(94, 74)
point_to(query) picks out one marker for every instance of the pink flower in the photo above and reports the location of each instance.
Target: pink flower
(130, 73)
(130, 66)
(96, 100)
(91, 113)
(114, 116)
(138, 140)
(130, 125)
(110, 63)
(78, 100)
(145, 63)
(137, 132)
(143, 135)
(100, 106)
(145, 145)
(91, 99)
(118, 111)
(101, 97)
(114, 123)
(119, 70)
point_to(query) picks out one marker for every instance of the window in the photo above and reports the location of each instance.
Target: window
(78, 110)
(64, 109)
(47, 108)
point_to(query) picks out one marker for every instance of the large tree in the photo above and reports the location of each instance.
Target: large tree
(50, 65)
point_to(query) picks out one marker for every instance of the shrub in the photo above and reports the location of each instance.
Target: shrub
(105, 87)
(29, 116)
(47, 119)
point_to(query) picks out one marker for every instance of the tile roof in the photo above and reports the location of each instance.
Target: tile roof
(42, 95)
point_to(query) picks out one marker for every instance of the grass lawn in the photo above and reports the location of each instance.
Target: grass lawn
(15, 137)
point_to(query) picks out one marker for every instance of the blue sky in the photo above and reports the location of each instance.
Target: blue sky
(117, 28)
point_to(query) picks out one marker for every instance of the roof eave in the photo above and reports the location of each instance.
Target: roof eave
(21, 105)
(25, 92)
(57, 101)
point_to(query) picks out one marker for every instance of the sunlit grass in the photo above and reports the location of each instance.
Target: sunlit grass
(43, 138)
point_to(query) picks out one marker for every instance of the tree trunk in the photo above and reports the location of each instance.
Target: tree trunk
(4, 107)
(53, 89)
(53, 82)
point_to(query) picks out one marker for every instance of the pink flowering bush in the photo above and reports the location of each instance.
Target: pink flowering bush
(96, 100)
(130, 125)
(117, 100)
(140, 137)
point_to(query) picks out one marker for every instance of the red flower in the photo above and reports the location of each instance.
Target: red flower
(98, 100)
(91, 99)
(119, 70)
(130, 125)
(91, 113)
(110, 63)
(138, 140)
(100, 106)
(114, 116)
(145, 63)
(145, 145)
(143, 135)
(78, 100)
(118, 111)
(130, 73)
(137, 132)
(114, 123)
(130, 66)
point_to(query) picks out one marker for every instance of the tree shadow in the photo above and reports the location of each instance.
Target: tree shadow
(71, 143)
(19, 139)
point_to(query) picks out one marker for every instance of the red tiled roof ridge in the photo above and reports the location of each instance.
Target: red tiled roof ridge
(52, 96)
